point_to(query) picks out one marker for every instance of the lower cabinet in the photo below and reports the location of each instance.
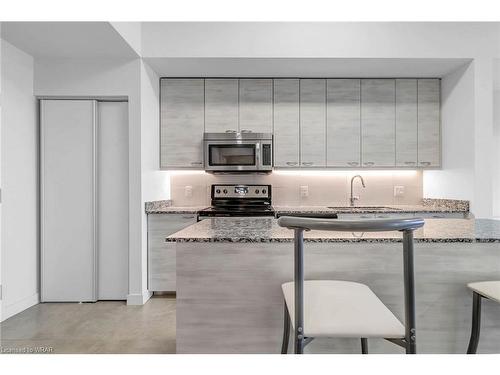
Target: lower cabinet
(161, 254)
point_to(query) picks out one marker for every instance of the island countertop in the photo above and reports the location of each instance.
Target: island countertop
(267, 230)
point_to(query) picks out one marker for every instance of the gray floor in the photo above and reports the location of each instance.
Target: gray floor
(102, 327)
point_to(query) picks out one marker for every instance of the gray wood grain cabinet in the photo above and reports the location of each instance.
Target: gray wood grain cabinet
(221, 105)
(343, 98)
(182, 123)
(256, 105)
(378, 136)
(161, 254)
(286, 123)
(406, 123)
(429, 133)
(313, 122)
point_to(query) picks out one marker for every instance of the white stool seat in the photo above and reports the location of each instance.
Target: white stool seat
(488, 289)
(334, 308)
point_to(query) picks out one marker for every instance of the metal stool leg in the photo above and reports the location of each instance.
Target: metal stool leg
(364, 345)
(476, 323)
(409, 292)
(286, 331)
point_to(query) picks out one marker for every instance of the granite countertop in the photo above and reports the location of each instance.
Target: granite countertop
(427, 206)
(166, 207)
(267, 230)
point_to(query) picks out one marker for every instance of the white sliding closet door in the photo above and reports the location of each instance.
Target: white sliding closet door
(84, 200)
(68, 243)
(112, 200)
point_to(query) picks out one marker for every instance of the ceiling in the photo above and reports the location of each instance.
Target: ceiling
(305, 67)
(76, 40)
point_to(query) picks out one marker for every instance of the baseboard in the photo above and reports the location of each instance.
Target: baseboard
(19, 306)
(138, 299)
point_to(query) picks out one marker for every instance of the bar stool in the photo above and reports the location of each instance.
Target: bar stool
(484, 289)
(333, 308)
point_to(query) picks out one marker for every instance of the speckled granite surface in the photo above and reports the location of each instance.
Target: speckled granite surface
(372, 209)
(428, 206)
(165, 207)
(267, 230)
(456, 205)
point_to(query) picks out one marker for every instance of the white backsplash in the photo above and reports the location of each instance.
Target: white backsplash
(324, 187)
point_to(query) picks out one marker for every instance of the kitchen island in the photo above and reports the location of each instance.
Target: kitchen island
(230, 271)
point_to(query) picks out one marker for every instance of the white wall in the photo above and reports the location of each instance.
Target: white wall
(155, 183)
(456, 179)
(0, 165)
(19, 225)
(131, 33)
(496, 138)
(323, 39)
(108, 78)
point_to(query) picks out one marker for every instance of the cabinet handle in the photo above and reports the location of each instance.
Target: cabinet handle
(196, 163)
(369, 163)
(291, 163)
(425, 162)
(246, 131)
(352, 163)
(307, 163)
(410, 162)
(230, 131)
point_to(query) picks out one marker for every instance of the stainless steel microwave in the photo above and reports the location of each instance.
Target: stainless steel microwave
(238, 152)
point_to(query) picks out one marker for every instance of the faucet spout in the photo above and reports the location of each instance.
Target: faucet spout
(353, 198)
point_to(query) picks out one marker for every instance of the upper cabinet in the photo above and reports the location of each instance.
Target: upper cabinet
(337, 123)
(343, 121)
(378, 137)
(256, 105)
(286, 123)
(312, 122)
(182, 123)
(406, 123)
(221, 105)
(429, 129)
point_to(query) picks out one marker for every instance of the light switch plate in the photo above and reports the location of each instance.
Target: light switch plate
(188, 191)
(399, 191)
(304, 191)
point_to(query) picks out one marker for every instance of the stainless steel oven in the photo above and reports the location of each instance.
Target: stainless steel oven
(238, 152)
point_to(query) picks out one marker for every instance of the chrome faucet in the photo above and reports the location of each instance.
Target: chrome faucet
(353, 198)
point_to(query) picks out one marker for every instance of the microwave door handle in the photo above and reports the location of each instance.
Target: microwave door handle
(257, 155)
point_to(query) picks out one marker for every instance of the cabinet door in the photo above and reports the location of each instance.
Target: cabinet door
(286, 123)
(406, 123)
(343, 123)
(313, 122)
(161, 254)
(429, 134)
(256, 105)
(378, 122)
(221, 105)
(182, 123)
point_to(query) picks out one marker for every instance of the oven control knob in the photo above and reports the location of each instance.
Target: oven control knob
(217, 191)
(224, 191)
(256, 191)
(263, 191)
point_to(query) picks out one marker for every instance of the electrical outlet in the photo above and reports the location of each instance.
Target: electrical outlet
(399, 191)
(304, 191)
(188, 191)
